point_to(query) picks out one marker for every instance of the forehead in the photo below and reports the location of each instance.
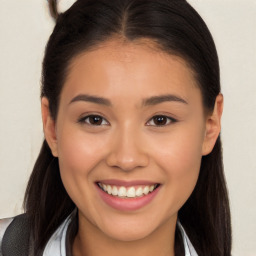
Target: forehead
(124, 51)
(123, 67)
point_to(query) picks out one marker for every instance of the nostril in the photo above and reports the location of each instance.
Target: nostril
(126, 163)
(127, 153)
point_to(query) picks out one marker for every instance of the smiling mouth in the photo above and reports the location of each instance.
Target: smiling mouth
(127, 192)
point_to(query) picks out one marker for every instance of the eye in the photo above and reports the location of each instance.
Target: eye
(94, 120)
(161, 120)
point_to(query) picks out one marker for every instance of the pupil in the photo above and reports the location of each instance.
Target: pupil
(160, 120)
(95, 120)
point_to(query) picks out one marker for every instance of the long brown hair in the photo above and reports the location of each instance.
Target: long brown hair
(177, 29)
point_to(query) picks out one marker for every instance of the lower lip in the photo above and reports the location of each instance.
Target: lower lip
(127, 204)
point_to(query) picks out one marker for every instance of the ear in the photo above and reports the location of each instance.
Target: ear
(213, 126)
(49, 126)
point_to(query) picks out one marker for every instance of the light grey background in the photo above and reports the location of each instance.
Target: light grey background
(24, 29)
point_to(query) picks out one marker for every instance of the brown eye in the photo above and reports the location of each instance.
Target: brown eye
(94, 120)
(160, 120)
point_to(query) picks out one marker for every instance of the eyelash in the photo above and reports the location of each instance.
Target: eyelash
(83, 120)
(168, 120)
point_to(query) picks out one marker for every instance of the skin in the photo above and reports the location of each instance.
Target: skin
(128, 145)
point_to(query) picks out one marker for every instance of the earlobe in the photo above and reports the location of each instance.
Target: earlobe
(49, 126)
(213, 126)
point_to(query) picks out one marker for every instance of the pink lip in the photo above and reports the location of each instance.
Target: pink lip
(127, 204)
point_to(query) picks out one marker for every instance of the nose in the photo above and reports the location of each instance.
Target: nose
(127, 152)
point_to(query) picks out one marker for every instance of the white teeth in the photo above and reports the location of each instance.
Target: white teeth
(122, 192)
(146, 190)
(130, 192)
(139, 191)
(151, 188)
(114, 191)
(109, 189)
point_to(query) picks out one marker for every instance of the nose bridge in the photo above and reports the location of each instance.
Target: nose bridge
(127, 151)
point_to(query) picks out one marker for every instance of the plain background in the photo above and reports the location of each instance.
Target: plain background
(24, 29)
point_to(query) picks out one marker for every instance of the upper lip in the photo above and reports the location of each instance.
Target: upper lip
(124, 183)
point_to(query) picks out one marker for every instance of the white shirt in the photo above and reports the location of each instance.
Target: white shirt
(56, 246)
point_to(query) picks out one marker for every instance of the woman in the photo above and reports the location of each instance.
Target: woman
(131, 162)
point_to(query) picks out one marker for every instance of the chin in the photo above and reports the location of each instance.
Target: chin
(129, 235)
(130, 229)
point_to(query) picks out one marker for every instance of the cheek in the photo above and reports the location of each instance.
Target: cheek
(78, 152)
(181, 151)
(180, 158)
(78, 155)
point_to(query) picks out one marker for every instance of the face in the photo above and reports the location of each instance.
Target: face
(129, 136)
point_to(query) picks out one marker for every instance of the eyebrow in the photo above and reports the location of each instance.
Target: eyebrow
(162, 98)
(146, 102)
(91, 98)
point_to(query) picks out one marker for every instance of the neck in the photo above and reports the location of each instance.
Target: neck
(90, 241)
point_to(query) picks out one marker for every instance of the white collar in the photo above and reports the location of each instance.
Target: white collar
(189, 248)
(57, 243)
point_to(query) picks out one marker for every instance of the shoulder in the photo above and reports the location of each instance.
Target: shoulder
(14, 231)
(15, 237)
(4, 224)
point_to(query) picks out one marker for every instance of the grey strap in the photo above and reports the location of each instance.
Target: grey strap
(4, 223)
(15, 241)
